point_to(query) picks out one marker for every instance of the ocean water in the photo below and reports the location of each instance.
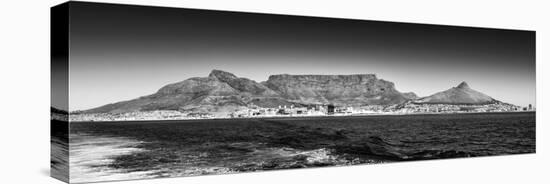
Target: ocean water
(105, 151)
(59, 150)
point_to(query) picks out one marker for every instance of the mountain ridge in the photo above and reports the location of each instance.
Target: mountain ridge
(222, 90)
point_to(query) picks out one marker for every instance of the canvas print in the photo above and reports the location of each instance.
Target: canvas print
(143, 92)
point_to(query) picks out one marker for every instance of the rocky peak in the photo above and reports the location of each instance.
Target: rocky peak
(463, 85)
(244, 85)
(222, 75)
(461, 94)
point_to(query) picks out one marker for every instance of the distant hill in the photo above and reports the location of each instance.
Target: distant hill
(461, 94)
(58, 114)
(223, 91)
(57, 111)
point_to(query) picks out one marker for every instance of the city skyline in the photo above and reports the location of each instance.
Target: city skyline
(127, 52)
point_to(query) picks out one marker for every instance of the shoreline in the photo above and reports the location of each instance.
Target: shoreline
(297, 117)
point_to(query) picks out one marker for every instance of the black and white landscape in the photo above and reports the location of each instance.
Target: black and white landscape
(224, 95)
(166, 92)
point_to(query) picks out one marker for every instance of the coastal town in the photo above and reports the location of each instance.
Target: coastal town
(253, 111)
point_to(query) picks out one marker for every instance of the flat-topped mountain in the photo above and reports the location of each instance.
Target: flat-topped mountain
(223, 91)
(461, 94)
(351, 90)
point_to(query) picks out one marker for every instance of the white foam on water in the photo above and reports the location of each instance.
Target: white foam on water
(315, 156)
(195, 171)
(90, 156)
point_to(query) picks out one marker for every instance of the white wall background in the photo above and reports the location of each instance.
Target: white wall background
(24, 89)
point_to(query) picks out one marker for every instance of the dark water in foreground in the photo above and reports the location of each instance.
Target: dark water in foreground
(136, 150)
(59, 150)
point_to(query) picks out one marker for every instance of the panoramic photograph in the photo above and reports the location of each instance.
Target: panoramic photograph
(157, 92)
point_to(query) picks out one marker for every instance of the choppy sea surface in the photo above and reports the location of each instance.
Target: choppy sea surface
(106, 151)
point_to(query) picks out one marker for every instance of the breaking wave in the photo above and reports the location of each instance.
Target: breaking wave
(90, 157)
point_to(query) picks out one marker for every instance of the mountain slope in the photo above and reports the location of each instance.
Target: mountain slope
(219, 89)
(461, 94)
